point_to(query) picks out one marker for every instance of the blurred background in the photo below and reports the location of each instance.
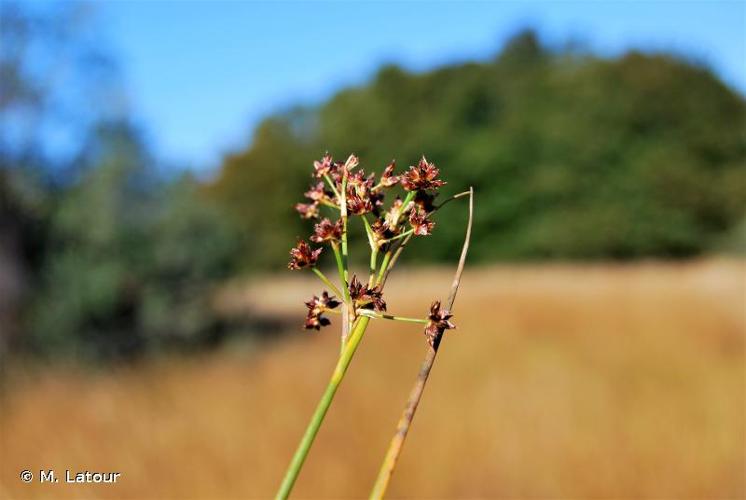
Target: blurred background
(150, 157)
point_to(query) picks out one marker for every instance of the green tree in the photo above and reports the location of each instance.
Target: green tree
(572, 155)
(131, 260)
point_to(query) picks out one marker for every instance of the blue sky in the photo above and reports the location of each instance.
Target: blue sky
(202, 74)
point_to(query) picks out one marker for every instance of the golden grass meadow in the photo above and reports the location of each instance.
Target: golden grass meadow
(561, 381)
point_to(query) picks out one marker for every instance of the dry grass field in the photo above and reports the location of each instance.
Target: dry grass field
(561, 381)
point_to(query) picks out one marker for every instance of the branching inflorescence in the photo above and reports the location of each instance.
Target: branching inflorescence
(345, 192)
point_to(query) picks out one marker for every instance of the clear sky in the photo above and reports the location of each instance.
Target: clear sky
(202, 74)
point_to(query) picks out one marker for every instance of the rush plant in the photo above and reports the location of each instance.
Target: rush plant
(344, 192)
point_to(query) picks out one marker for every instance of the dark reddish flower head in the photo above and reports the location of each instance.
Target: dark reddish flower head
(357, 205)
(360, 185)
(301, 255)
(388, 178)
(421, 225)
(316, 307)
(316, 192)
(393, 216)
(381, 232)
(422, 177)
(437, 322)
(316, 321)
(327, 230)
(366, 298)
(308, 210)
(323, 167)
(425, 200)
(318, 304)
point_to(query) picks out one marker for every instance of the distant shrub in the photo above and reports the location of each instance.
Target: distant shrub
(130, 260)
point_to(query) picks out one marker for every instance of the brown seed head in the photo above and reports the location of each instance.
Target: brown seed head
(301, 255)
(316, 307)
(315, 321)
(388, 178)
(316, 192)
(308, 210)
(420, 223)
(327, 230)
(381, 232)
(393, 216)
(366, 298)
(437, 322)
(323, 167)
(422, 177)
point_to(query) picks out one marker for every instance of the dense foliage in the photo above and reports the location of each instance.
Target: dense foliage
(103, 253)
(571, 155)
(130, 259)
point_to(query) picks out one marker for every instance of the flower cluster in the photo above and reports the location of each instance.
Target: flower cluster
(365, 297)
(301, 255)
(422, 177)
(316, 307)
(363, 196)
(437, 322)
(346, 191)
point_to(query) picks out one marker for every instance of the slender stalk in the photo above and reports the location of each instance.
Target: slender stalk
(410, 196)
(373, 264)
(331, 185)
(326, 281)
(375, 315)
(399, 236)
(343, 215)
(368, 232)
(318, 416)
(347, 307)
(341, 272)
(405, 422)
(384, 266)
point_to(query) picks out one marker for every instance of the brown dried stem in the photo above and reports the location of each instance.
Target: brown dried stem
(415, 395)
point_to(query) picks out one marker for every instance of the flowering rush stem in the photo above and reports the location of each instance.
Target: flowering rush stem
(355, 194)
(405, 422)
(356, 336)
(326, 281)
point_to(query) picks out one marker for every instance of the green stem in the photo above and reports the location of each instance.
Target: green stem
(410, 196)
(347, 308)
(326, 281)
(373, 264)
(343, 210)
(368, 232)
(341, 271)
(331, 185)
(384, 265)
(318, 416)
(370, 314)
(402, 235)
